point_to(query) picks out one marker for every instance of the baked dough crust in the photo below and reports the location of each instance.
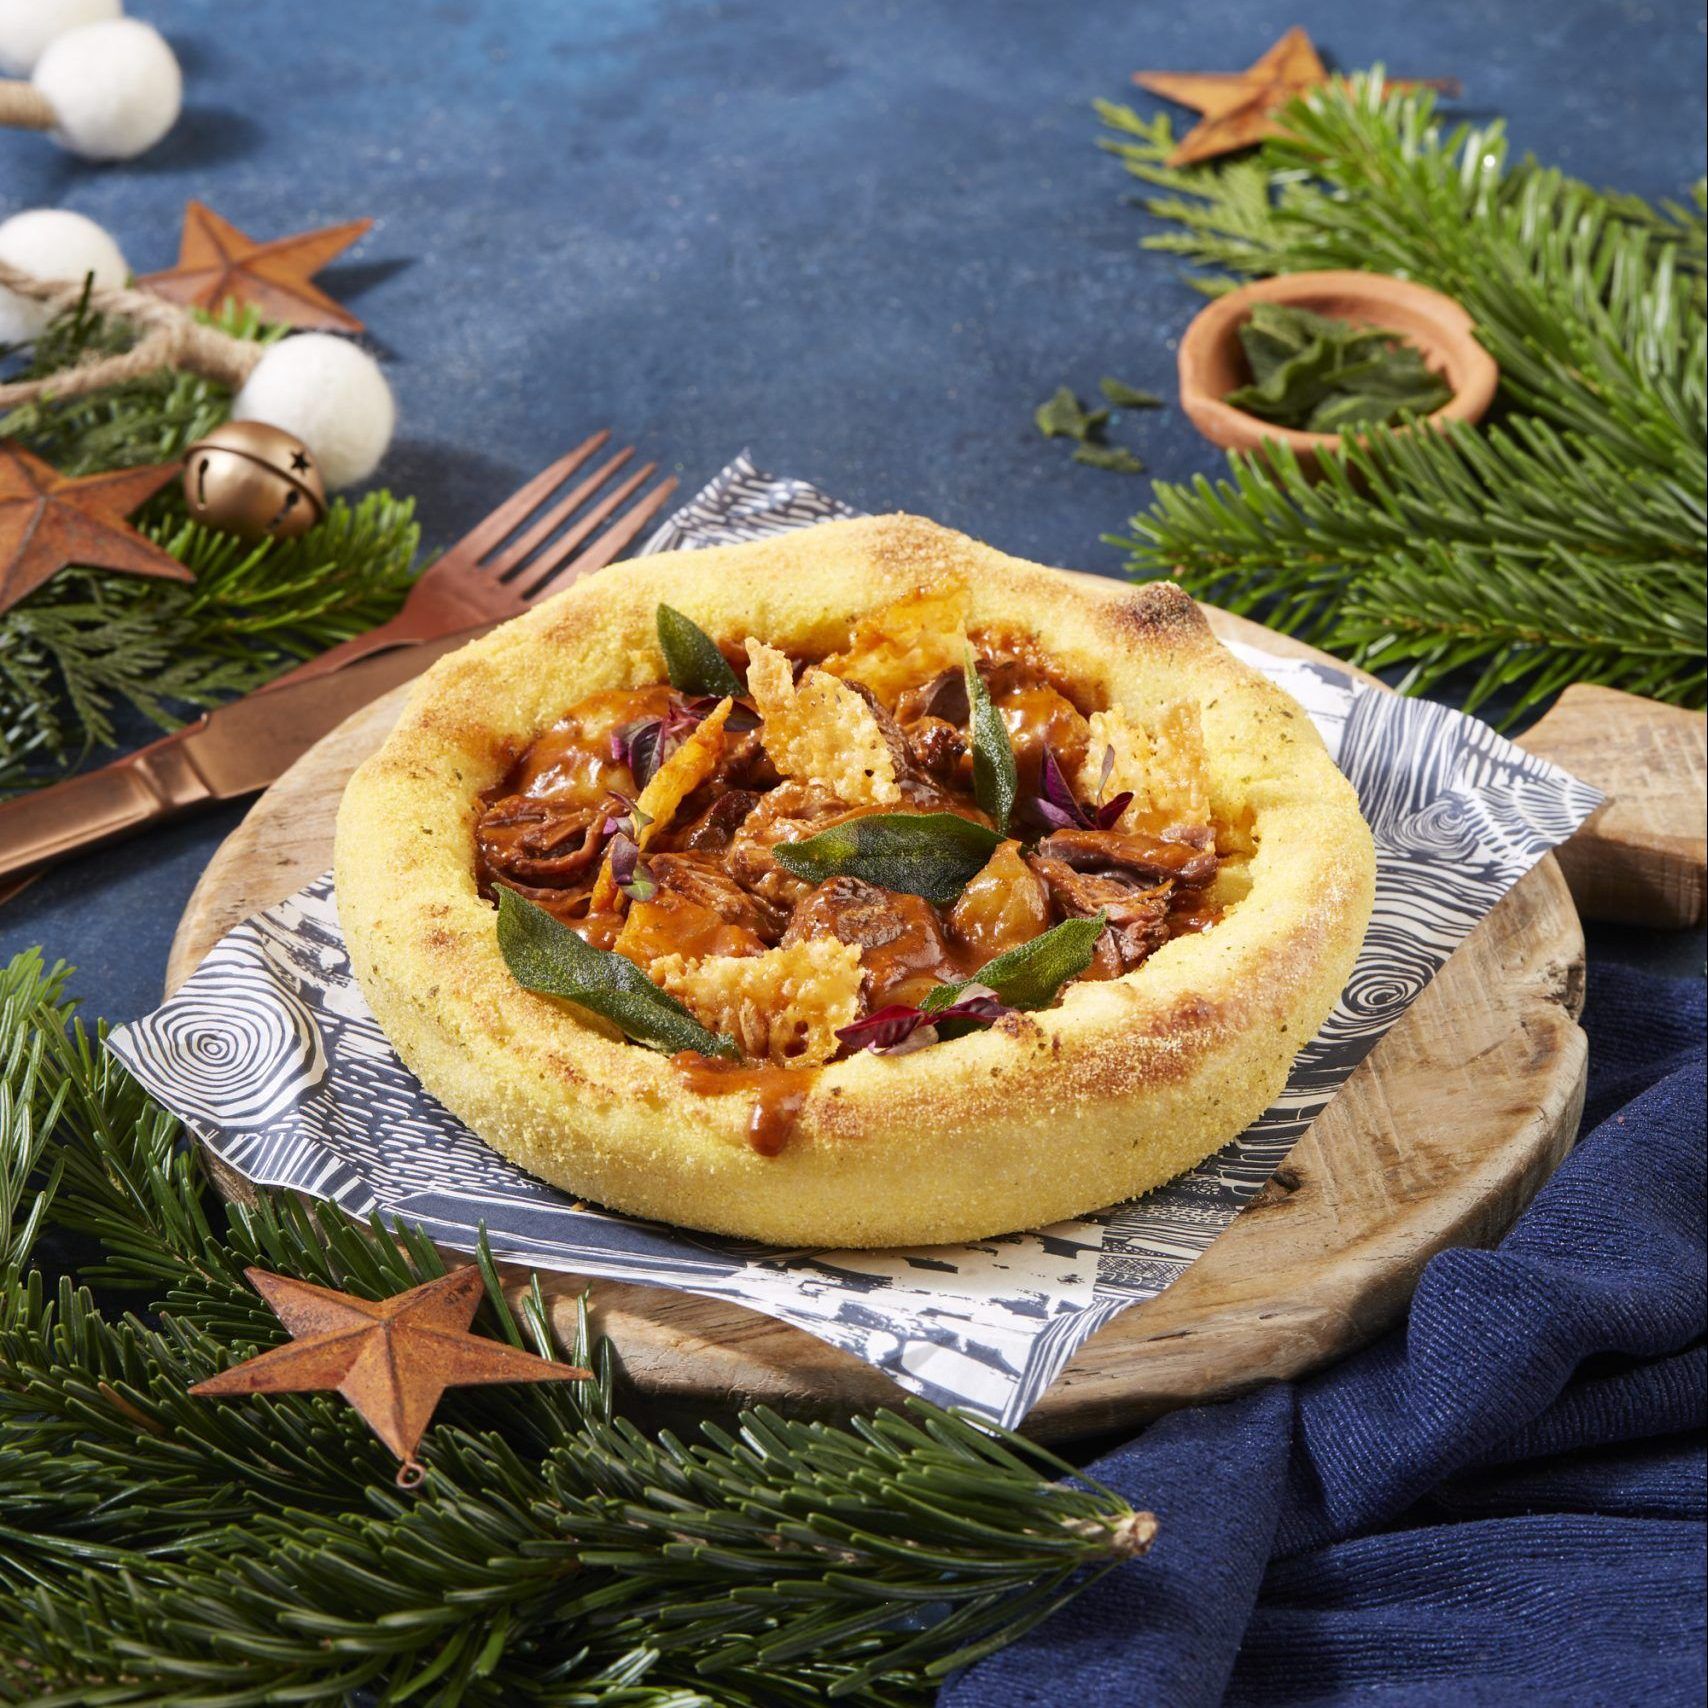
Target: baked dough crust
(1119, 1087)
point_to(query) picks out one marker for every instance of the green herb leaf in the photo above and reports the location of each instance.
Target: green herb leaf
(691, 657)
(1125, 396)
(1276, 332)
(995, 779)
(1313, 372)
(1116, 458)
(1030, 976)
(543, 954)
(930, 854)
(1063, 418)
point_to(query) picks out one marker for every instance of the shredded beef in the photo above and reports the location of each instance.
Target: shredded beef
(1114, 850)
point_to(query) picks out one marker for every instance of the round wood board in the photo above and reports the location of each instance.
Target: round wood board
(1439, 1138)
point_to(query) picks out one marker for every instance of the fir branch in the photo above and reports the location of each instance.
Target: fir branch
(89, 652)
(158, 1548)
(1562, 544)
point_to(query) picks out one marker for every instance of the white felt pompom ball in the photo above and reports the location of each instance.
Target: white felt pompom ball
(331, 394)
(52, 243)
(115, 88)
(27, 26)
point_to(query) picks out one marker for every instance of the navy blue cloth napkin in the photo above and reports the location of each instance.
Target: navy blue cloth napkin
(1502, 1502)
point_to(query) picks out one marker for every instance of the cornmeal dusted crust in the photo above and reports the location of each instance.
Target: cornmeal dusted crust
(1046, 1115)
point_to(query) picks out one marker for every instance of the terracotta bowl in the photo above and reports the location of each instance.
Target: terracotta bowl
(1212, 361)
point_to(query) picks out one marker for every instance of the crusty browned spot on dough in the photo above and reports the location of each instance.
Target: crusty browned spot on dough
(1158, 611)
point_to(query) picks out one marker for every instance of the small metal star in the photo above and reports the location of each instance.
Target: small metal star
(1239, 107)
(391, 1359)
(216, 261)
(49, 520)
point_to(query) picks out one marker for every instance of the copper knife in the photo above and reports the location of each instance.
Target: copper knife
(227, 753)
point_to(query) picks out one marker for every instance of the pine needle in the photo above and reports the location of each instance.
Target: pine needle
(88, 654)
(160, 1548)
(1564, 542)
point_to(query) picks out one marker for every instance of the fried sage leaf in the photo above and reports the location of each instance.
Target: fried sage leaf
(995, 779)
(1030, 976)
(1062, 417)
(1312, 371)
(543, 954)
(1125, 396)
(932, 854)
(1117, 459)
(691, 657)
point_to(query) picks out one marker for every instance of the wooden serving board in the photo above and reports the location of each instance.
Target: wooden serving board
(1439, 1138)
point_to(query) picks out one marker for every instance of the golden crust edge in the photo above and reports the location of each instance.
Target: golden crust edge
(974, 1137)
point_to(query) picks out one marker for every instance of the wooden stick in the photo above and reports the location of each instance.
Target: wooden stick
(24, 107)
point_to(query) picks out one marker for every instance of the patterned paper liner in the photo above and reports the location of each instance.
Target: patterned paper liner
(272, 1058)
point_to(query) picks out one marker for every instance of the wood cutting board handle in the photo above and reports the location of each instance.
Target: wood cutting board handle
(1643, 858)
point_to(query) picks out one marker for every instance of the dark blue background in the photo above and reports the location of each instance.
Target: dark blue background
(863, 239)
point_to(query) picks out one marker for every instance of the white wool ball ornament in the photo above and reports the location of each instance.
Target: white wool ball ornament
(27, 26)
(115, 88)
(52, 243)
(331, 394)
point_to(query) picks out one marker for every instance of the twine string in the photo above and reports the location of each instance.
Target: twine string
(172, 338)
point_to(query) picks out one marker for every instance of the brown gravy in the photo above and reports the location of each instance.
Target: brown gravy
(777, 1092)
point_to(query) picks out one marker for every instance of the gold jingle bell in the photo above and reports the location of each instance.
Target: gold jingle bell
(255, 481)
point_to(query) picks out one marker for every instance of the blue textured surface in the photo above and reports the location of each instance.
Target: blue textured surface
(1502, 1503)
(863, 239)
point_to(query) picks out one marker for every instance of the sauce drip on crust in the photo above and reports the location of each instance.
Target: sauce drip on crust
(698, 884)
(778, 1093)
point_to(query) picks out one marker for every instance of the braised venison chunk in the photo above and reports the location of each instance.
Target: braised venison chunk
(1114, 850)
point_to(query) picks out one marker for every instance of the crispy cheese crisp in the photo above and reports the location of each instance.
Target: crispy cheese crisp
(1160, 758)
(820, 731)
(907, 642)
(672, 783)
(783, 1006)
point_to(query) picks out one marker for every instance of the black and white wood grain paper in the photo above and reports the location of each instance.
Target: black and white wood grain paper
(272, 1058)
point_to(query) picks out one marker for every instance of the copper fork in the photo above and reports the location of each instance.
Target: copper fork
(493, 572)
(505, 562)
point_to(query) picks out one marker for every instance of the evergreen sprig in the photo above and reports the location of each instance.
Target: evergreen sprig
(156, 1548)
(88, 651)
(1564, 542)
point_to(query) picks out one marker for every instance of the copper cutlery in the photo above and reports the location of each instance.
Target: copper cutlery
(495, 571)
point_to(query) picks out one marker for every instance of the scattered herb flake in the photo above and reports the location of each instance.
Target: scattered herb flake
(1125, 396)
(1063, 418)
(1116, 458)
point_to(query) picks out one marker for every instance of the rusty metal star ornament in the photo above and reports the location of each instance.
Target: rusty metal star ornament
(391, 1359)
(49, 520)
(1239, 107)
(216, 261)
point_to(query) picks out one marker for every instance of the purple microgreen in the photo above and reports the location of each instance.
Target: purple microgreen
(1054, 817)
(640, 746)
(1058, 806)
(629, 820)
(1109, 814)
(629, 870)
(900, 1027)
(886, 1029)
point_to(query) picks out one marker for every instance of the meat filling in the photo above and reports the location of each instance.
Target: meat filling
(706, 880)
